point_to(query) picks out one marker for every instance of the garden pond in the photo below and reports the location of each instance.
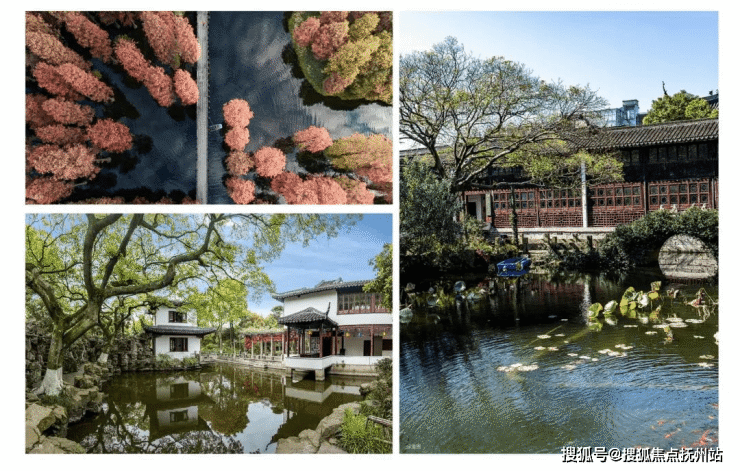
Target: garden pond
(516, 366)
(220, 409)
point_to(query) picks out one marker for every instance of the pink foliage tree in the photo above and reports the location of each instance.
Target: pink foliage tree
(159, 28)
(241, 191)
(237, 113)
(51, 50)
(331, 36)
(131, 58)
(35, 114)
(269, 161)
(370, 156)
(335, 84)
(237, 138)
(70, 163)
(333, 16)
(160, 86)
(36, 24)
(313, 139)
(89, 35)
(61, 135)
(239, 163)
(187, 43)
(287, 184)
(47, 190)
(327, 190)
(49, 78)
(110, 135)
(85, 83)
(68, 112)
(185, 87)
(357, 192)
(305, 33)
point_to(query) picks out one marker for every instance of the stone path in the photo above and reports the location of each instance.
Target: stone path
(201, 192)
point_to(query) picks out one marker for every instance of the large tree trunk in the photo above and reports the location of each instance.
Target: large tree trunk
(52, 384)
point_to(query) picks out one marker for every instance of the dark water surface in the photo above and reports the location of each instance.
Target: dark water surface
(248, 54)
(220, 409)
(459, 392)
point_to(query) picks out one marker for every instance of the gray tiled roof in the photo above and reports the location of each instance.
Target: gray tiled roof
(309, 314)
(676, 132)
(179, 330)
(323, 286)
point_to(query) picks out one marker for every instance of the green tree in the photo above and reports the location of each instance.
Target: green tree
(427, 209)
(75, 263)
(677, 107)
(383, 282)
(224, 302)
(275, 313)
(474, 114)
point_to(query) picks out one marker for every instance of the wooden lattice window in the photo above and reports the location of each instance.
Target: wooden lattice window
(560, 199)
(681, 194)
(177, 317)
(178, 344)
(360, 303)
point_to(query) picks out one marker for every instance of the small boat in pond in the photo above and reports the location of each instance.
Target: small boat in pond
(516, 266)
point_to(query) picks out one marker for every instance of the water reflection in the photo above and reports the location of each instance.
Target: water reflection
(520, 371)
(223, 409)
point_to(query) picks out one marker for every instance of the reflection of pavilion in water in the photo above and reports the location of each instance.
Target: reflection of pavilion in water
(182, 405)
(175, 408)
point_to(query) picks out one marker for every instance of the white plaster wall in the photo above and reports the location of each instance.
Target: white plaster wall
(162, 316)
(162, 345)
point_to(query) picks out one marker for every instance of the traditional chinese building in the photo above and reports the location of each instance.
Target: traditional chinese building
(174, 332)
(338, 327)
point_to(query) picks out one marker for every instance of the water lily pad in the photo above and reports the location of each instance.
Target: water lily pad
(559, 335)
(543, 336)
(572, 354)
(707, 357)
(705, 365)
(585, 357)
(552, 349)
(630, 325)
(569, 366)
(694, 321)
(539, 348)
(651, 332)
(594, 310)
(698, 336)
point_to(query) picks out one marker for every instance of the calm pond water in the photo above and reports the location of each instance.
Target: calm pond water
(251, 58)
(220, 409)
(622, 386)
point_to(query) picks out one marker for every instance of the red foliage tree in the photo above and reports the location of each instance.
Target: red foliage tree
(36, 24)
(239, 163)
(131, 58)
(331, 36)
(312, 139)
(335, 84)
(35, 114)
(185, 87)
(110, 135)
(237, 138)
(49, 78)
(51, 50)
(85, 83)
(305, 33)
(187, 43)
(286, 184)
(89, 35)
(241, 191)
(71, 163)
(68, 112)
(269, 161)
(61, 135)
(47, 190)
(333, 16)
(160, 86)
(124, 18)
(237, 113)
(159, 28)
(357, 192)
(327, 190)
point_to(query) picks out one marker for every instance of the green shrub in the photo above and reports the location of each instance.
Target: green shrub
(630, 244)
(190, 362)
(358, 436)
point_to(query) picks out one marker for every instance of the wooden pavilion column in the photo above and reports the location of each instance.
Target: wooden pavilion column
(272, 349)
(251, 340)
(321, 341)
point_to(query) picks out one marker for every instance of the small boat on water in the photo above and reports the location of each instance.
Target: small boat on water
(516, 266)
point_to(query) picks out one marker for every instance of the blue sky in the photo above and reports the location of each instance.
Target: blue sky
(623, 55)
(346, 256)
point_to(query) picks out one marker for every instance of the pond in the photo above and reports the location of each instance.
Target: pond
(521, 371)
(219, 409)
(251, 58)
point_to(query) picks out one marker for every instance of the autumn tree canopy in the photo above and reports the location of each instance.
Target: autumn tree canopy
(472, 114)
